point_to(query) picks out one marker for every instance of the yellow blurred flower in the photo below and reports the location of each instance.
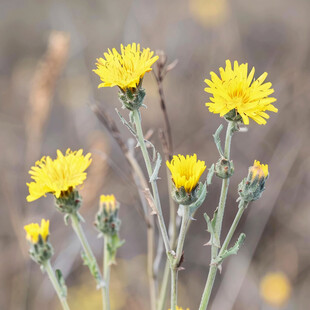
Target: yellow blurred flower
(186, 171)
(125, 69)
(58, 175)
(275, 289)
(179, 308)
(259, 170)
(108, 202)
(33, 231)
(236, 90)
(208, 12)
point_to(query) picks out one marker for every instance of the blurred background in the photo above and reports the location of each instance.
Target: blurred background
(47, 54)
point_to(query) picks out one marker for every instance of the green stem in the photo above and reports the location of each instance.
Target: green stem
(140, 136)
(218, 224)
(173, 237)
(58, 289)
(164, 287)
(242, 206)
(176, 261)
(106, 272)
(92, 262)
(174, 288)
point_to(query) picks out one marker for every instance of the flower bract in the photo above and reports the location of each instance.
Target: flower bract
(235, 90)
(34, 230)
(124, 69)
(58, 175)
(186, 171)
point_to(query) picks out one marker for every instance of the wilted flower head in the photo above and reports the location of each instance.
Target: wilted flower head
(59, 175)
(275, 289)
(125, 69)
(34, 230)
(237, 96)
(186, 171)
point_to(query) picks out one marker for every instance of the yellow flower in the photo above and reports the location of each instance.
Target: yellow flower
(108, 202)
(179, 308)
(236, 90)
(259, 170)
(124, 69)
(275, 289)
(58, 175)
(186, 171)
(209, 12)
(33, 231)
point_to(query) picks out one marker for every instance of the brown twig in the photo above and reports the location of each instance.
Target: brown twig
(159, 75)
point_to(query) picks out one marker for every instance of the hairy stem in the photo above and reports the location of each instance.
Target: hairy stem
(58, 289)
(93, 266)
(137, 122)
(106, 272)
(178, 257)
(218, 224)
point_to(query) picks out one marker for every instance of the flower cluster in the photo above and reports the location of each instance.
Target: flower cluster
(59, 175)
(237, 96)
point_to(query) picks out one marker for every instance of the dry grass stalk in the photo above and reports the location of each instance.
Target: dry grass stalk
(46, 75)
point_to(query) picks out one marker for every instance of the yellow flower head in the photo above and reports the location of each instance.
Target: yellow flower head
(108, 202)
(259, 170)
(124, 69)
(275, 289)
(179, 308)
(33, 231)
(186, 171)
(236, 90)
(58, 175)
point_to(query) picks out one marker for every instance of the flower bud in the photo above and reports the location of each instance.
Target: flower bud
(252, 187)
(107, 221)
(224, 168)
(40, 249)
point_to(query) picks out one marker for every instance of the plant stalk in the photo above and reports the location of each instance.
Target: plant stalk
(58, 289)
(178, 257)
(218, 224)
(89, 254)
(140, 136)
(106, 272)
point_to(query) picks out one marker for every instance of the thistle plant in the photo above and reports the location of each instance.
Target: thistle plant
(237, 97)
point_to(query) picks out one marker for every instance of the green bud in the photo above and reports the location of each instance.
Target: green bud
(252, 187)
(41, 251)
(224, 168)
(107, 220)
